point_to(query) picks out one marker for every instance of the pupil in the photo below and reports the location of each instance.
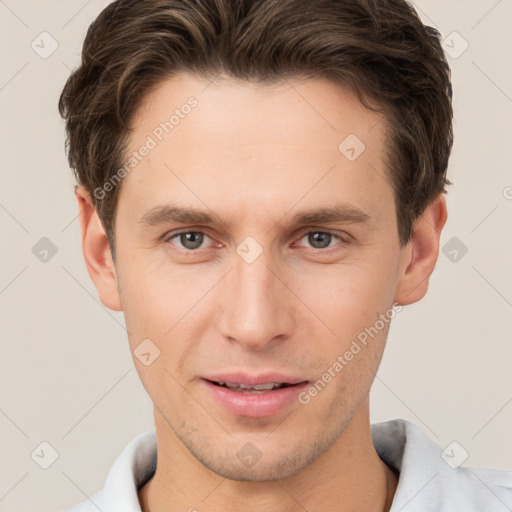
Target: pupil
(319, 240)
(191, 240)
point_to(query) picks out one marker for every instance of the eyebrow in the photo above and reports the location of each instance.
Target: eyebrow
(171, 213)
(336, 213)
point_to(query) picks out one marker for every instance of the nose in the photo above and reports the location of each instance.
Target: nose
(258, 308)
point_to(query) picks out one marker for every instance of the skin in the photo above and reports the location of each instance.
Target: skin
(255, 155)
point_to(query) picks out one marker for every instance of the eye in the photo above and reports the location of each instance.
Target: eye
(189, 240)
(321, 239)
(194, 240)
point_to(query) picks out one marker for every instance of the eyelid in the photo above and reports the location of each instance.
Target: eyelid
(170, 235)
(344, 237)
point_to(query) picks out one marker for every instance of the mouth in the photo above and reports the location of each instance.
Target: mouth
(248, 389)
(254, 396)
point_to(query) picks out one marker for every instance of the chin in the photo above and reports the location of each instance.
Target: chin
(261, 471)
(249, 464)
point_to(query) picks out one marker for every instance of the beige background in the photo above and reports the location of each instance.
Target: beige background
(66, 375)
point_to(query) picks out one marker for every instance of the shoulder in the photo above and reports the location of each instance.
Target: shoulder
(131, 470)
(432, 478)
(474, 489)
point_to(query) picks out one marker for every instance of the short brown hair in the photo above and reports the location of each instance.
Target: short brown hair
(379, 48)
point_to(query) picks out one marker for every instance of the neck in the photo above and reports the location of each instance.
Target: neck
(349, 474)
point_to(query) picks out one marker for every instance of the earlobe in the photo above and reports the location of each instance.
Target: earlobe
(419, 256)
(96, 251)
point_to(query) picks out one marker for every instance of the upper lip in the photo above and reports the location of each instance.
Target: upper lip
(254, 380)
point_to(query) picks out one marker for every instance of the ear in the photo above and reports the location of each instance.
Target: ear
(419, 256)
(96, 250)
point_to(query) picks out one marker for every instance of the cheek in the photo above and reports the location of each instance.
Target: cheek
(164, 305)
(346, 297)
(349, 300)
(157, 296)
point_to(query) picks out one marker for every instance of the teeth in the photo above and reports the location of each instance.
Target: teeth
(260, 387)
(257, 387)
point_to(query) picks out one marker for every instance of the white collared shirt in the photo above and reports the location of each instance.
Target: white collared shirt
(429, 479)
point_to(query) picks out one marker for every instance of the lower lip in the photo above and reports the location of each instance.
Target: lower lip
(255, 405)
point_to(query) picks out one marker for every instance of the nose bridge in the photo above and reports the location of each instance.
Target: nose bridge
(257, 308)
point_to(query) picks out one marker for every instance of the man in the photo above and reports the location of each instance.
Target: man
(261, 191)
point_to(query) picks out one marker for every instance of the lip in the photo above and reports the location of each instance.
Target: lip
(253, 380)
(254, 405)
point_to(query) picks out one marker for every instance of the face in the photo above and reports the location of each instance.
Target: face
(258, 287)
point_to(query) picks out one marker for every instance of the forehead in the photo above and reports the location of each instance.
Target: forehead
(256, 110)
(236, 143)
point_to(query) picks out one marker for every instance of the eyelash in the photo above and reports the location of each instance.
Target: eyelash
(343, 241)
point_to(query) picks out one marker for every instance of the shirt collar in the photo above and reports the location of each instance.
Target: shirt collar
(426, 482)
